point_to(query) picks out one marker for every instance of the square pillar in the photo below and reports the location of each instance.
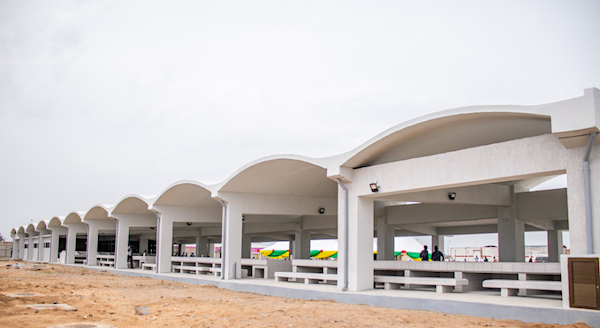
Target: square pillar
(301, 244)
(438, 240)
(246, 246)
(360, 243)
(201, 244)
(71, 243)
(121, 244)
(92, 245)
(22, 249)
(511, 233)
(164, 244)
(555, 244)
(385, 240)
(30, 248)
(233, 243)
(54, 242)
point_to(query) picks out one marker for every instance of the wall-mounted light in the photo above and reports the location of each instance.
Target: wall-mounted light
(321, 210)
(374, 187)
(152, 228)
(189, 223)
(452, 195)
(243, 217)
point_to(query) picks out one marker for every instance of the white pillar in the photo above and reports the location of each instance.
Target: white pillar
(121, 244)
(71, 242)
(554, 245)
(55, 242)
(92, 245)
(233, 242)
(360, 243)
(246, 246)
(143, 243)
(22, 249)
(15, 248)
(437, 240)
(511, 233)
(211, 250)
(201, 244)
(385, 240)
(30, 248)
(301, 245)
(164, 244)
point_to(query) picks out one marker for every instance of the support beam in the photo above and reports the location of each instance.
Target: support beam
(301, 244)
(360, 242)
(511, 234)
(385, 240)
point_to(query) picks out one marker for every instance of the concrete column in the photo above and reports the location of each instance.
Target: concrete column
(511, 233)
(246, 246)
(385, 240)
(22, 246)
(30, 248)
(211, 250)
(201, 244)
(16, 247)
(143, 243)
(92, 245)
(555, 244)
(233, 242)
(301, 244)
(164, 244)
(438, 240)
(54, 243)
(121, 244)
(71, 242)
(360, 243)
(576, 199)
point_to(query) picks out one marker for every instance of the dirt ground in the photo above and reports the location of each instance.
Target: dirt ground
(109, 299)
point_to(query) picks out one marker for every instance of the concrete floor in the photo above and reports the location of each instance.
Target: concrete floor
(487, 303)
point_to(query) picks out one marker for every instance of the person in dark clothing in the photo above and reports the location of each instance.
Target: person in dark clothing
(424, 254)
(437, 255)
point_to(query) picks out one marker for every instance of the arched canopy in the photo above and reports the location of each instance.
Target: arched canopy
(290, 175)
(133, 204)
(30, 228)
(43, 225)
(186, 193)
(21, 230)
(74, 218)
(449, 131)
(98, 212)
(13, 232)
(55, 222)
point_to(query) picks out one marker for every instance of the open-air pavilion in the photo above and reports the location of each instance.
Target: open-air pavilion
(462, 171)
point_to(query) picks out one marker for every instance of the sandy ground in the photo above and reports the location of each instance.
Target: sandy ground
(109, 299)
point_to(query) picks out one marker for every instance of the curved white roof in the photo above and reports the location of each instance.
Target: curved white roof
(570, 120)
(98, 211)
(282, 175)
(133, 204)
(74, 217)
(186, 193)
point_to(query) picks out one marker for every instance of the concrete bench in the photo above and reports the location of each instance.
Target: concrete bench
(106, 263)
(149, 266)
(183, 268)
(308, 277)
(511, 287)
(442, 285)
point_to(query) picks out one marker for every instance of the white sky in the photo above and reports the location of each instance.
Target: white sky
(102, 99)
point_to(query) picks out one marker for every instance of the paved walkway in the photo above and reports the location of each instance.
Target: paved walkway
(487, 303)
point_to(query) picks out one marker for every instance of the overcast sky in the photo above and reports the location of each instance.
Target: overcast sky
(101, 99)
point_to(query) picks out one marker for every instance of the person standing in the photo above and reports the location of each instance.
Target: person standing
(437, 255)
(424, 254)
(130, 256)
